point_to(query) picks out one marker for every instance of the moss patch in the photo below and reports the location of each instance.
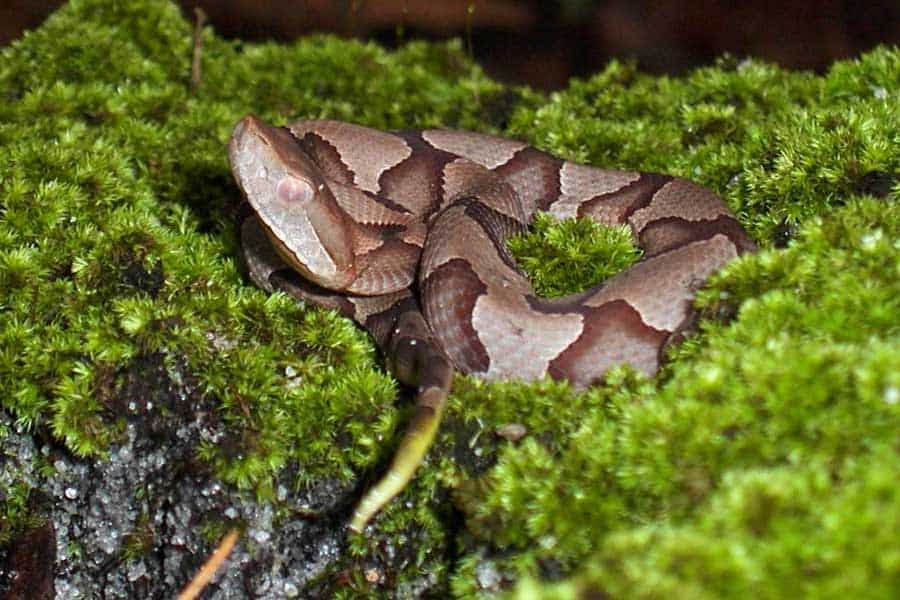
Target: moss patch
(567, 257)
(770, 438)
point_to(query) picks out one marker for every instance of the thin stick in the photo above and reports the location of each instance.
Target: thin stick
(199, 22)
(209, 568)
(401, 26)
(470, 12)
(354, 17)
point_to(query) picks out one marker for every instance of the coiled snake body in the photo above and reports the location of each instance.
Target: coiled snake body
(405, 233)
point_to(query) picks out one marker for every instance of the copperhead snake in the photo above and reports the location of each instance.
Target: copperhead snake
(405, 233)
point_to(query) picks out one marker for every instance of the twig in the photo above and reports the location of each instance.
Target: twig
(470, 12)
(199, 22)
(354, 17)
(209, 568)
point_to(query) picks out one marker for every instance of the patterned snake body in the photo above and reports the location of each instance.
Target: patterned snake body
(405, 233)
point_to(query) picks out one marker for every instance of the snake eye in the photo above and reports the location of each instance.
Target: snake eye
(291, 190)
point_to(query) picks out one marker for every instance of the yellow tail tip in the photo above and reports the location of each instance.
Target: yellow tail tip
(413, 447)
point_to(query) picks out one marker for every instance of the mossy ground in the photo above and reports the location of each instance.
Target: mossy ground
(762, 462)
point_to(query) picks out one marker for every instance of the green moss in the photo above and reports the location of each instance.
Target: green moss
(16, 516)
(775, 425)
(569, 256)
(806, 374)
(140, 541)
(21, 508)
(815, 530)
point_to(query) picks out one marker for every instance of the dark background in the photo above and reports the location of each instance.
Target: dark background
(544, 42)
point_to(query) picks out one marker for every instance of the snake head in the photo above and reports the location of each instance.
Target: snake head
(293, 202)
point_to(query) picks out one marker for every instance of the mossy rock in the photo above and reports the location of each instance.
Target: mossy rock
(144, 384)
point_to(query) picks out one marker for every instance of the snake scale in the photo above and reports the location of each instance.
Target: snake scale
(405, 233)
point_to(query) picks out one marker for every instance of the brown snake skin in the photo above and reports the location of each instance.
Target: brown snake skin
(405, 233)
